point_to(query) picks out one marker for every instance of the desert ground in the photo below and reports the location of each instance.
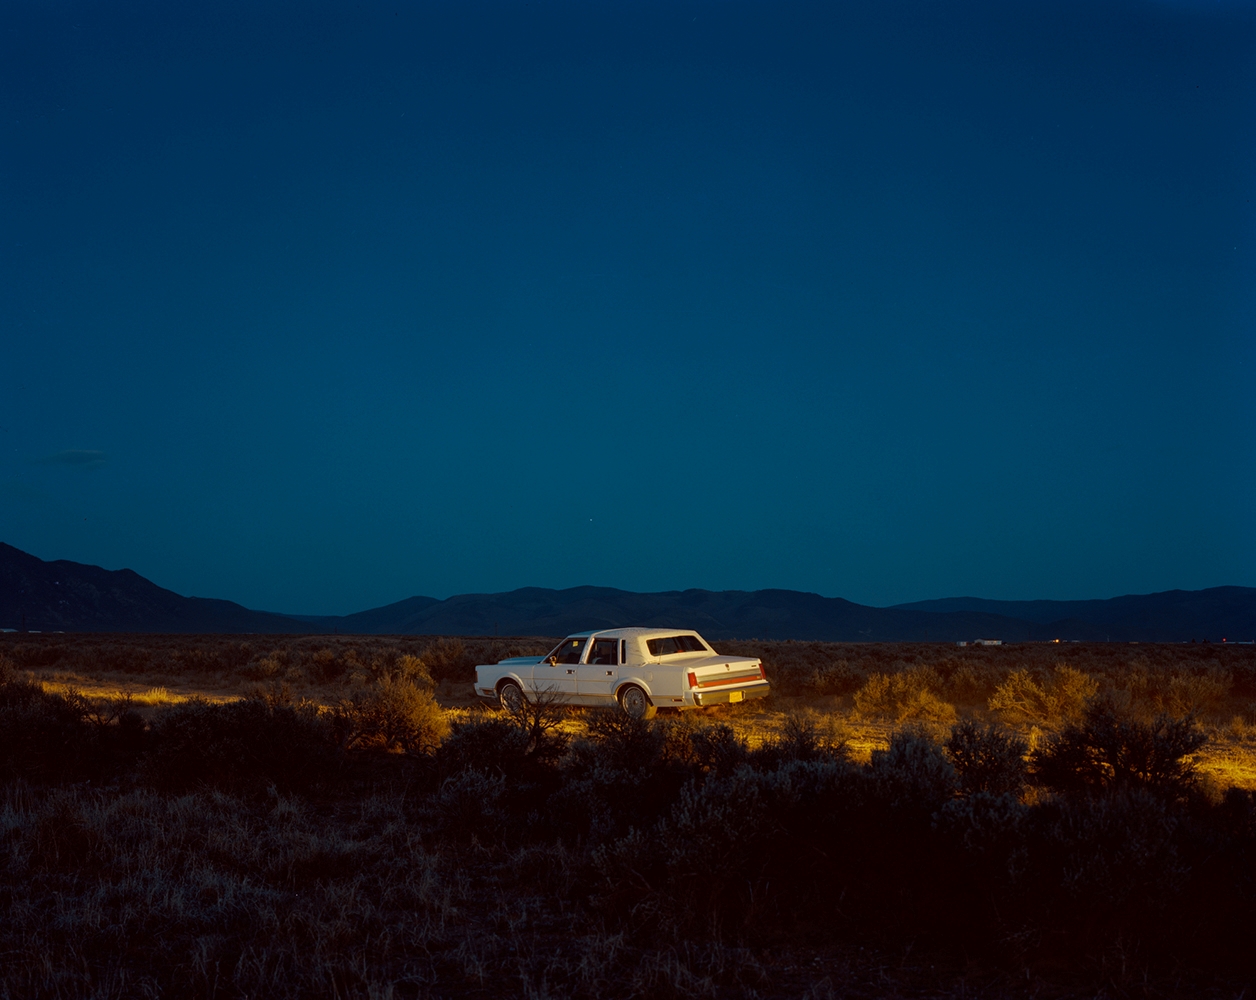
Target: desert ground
(238, 816)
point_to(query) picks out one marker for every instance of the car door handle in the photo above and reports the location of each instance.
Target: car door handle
(571, 671)
(610, 673)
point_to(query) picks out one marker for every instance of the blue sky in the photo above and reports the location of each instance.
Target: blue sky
(318, 306)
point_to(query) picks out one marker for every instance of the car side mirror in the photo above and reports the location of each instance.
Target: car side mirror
(553, 661)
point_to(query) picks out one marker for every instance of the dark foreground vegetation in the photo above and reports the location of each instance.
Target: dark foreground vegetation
(366, 848)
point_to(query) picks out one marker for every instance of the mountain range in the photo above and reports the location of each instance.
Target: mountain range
(72, 597)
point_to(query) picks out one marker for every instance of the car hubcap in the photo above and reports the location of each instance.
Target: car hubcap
(512, 700)
(634, 703)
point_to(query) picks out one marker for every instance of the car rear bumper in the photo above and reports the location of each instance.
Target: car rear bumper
(727, 695)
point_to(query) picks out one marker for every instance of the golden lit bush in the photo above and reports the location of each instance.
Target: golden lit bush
(971, 683)
(1059, 698)
(413, 669)
(394, 715)
(907, 696)
(1200, 693)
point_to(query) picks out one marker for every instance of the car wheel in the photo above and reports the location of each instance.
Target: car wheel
(510, 697)
(635, 703)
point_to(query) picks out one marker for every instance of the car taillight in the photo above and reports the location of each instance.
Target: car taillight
(763, 674)
(693, 679)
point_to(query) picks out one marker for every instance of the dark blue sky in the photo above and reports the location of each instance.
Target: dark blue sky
(318, 306)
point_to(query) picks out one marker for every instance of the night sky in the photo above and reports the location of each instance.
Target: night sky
(316, 306)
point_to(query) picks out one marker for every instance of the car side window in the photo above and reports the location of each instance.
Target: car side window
(568, 651)
(603, 652)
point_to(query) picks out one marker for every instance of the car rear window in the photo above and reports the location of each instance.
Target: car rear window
(675, 644)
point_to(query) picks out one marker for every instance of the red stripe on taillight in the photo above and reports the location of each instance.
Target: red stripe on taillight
(693, 679)
(763, 674)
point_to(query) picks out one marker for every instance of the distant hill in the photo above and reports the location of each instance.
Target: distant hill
(1175, 616)
(1171, 615)
(72, 597)
(763, 614)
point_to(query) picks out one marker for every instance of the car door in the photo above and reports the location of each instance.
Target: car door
(595, 678)
(556, 674)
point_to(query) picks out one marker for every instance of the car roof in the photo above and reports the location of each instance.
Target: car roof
(632, 632)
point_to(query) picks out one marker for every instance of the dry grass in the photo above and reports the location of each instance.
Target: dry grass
(109, 689)
(865, 690)
(206, 895)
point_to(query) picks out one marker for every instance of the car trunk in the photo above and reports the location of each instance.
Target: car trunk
(724, 674)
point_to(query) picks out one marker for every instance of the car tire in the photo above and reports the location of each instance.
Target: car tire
(636, 703)
(510, 697)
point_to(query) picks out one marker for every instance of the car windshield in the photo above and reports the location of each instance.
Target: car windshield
(675, 644)
(568, 651)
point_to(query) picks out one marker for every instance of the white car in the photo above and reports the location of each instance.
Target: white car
(639, 669)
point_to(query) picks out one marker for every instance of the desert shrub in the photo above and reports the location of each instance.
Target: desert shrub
(542, 719)
(618, 776)
(324, 666)
(273, 665)
(987, 759)
(26, 655)
(43, 736)
(469, 804)
(913, 773)
(803, 737)
(740, 852)
(835, 677)
(1060, 698)
(905, 697)
(1108, 749)
(718, 749)
(693, 870)
(622, 742)
(489, 746)
(716, 826)
(1103, 869)
(412, 669)
(448, 659)
(971, 683)
(239, 745)
(391, 715)
(1148, 692)
(988, 825)
(1203, 694)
